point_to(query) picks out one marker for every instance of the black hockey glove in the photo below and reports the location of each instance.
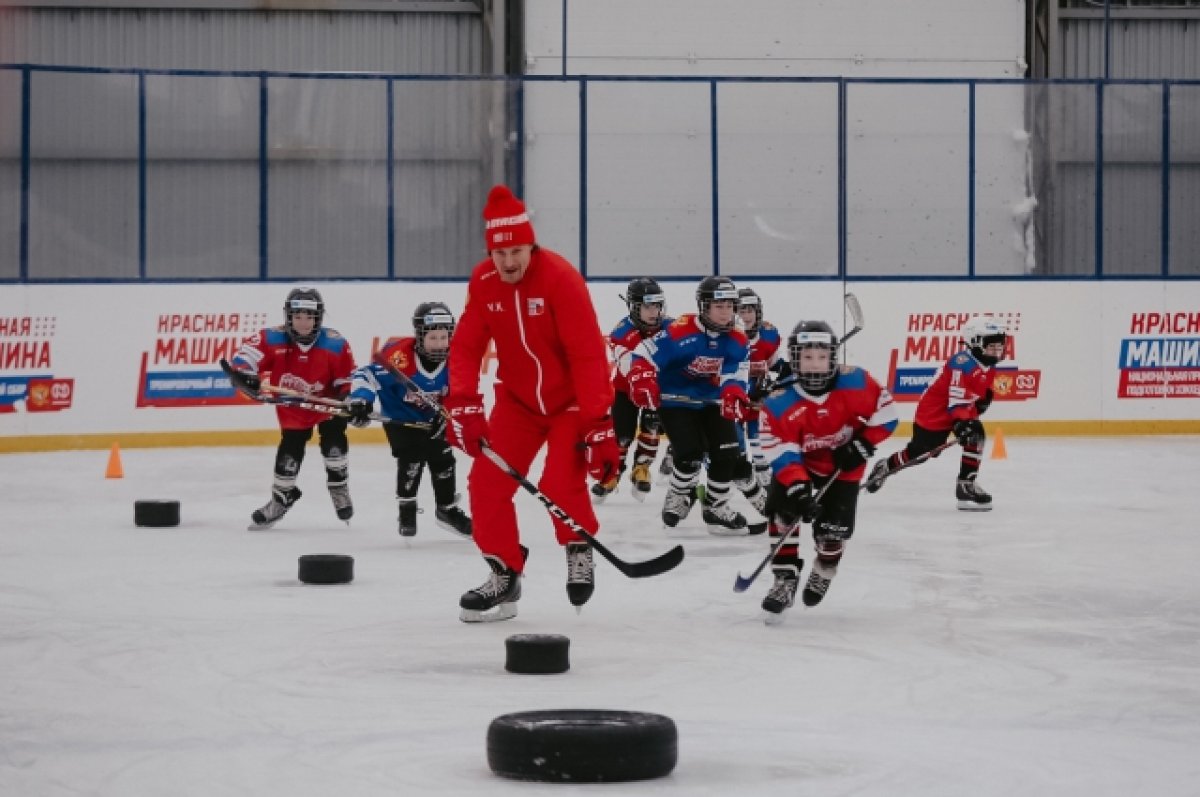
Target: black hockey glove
(360, 412)
(789, 503)
(852, 455)
(982, 404)
(251, 382)
(969, 433)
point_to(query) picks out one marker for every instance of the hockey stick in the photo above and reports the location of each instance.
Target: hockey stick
(281, 396)
(649, 567)
(856, 315)
(914, 461)
(742, 583)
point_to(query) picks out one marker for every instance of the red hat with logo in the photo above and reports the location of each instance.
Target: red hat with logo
(506, 220)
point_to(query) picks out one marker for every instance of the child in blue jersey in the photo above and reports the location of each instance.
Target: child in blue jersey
(694, 372)
(415, 432)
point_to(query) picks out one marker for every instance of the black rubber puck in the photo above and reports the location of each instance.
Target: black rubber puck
(158, 514)
(326, 568)
(537, 654)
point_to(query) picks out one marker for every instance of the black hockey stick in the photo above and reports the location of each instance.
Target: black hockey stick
(649, 567)
(742, 583)
(914, 461)
(268, 394)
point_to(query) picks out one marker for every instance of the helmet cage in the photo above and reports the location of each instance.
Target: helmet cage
(716, 291)
(813, 381)
(303, 300)
(428, 319)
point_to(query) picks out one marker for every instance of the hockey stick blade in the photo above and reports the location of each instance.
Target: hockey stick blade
(742, 583)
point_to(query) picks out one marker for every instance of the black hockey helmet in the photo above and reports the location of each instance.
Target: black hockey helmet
(715, 289)
(430, 316)
(748, 298)
(306, 300)
(813, 335)
(644, 290)
(981, 332)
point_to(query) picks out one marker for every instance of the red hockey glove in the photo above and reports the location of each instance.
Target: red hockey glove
(601, 451)
(735, 404)
(467, 428)
(643, 386)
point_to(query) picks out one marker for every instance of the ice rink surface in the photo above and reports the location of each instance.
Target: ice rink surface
(1050, 647)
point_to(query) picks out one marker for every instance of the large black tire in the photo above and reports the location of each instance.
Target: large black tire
(537, 654)
(326, 568)
(582, 746)
(156, 514)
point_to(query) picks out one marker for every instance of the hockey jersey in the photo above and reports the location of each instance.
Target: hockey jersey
(322, 368)
(694, 364)
(764, 351)
(624, 338)
(396, 400)
(799, 431)
(959, 383)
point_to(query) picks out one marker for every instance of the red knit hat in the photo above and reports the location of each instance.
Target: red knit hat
(507, 223)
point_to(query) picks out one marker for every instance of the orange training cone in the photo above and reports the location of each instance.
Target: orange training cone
(999, 451)
(114, 469)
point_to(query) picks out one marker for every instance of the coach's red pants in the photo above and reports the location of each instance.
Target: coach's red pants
(517, 434)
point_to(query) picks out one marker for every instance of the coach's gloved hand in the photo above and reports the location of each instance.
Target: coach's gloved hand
(643, 386)
(467, 428)
(852, 455)
(360, 412)
(791, 502)
(601, 451)
(969, 432)
(982, 404)
(735, 404)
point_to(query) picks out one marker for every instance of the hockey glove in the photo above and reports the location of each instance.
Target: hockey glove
(735, 404)
(852, 455)
(643, 386)
(437, 427)
(792, 502)
(969, 433)
(251, 382)
(467, 428)
(360, 412)
(982, 404)
(601, 451)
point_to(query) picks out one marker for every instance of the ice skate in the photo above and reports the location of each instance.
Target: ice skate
(453, 519)
(723, 520)
(782, 595)
(602, 490)
(640, 477)
(494, 599)
(281, 501)
(339, 492)
(879, 474)
(763, 475)
(580, 573)
(818, 582)
(408, 517)
(676, 507)
(972, 497)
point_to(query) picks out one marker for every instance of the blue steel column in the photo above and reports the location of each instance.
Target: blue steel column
(23, 234)
(842, 191)
(391, 181)
(1166, 179)
(971, 179)
(583, 172)
(716, 202)
(141, 83)
(262, 176)
(1100, 179)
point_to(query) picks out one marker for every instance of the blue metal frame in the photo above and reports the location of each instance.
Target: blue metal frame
(518, 166)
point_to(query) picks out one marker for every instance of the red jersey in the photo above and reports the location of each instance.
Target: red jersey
(800, 431)
(952, 395)
(764, 350)
(550, 351)
(624, 338)
(320, 369)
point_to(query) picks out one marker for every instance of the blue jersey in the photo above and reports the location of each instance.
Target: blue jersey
(396, 401)
(694, 364)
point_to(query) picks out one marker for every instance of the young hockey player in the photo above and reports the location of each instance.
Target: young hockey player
(552, 390)
(646, 302)
(754, 474)
(695, 372)
(415, 431)
(960, 392)
(824, 427)
(306, 356)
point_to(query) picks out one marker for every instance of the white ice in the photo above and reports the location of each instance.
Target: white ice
(1051, 647)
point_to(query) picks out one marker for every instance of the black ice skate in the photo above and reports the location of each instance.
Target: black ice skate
(640, 477)
(972, 497)
(878, 476)
(408, 517)
(602, 490)
(723, 520)
(281, 501)
(339, 492)
(818, 582)
(782, 595)
(580, 573)
(676, 507)
(496, 598)
(453, 519)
